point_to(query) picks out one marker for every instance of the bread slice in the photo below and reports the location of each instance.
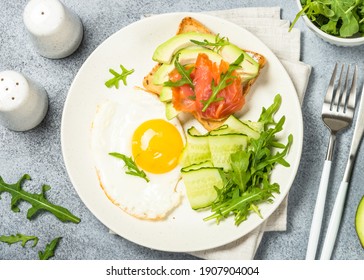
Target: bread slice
(189, 24)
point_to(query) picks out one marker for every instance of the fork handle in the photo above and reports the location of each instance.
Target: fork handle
(334, 223)
(318, 212)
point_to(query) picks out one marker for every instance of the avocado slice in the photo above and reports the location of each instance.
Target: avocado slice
(249, 67)
(359, 221)
(171, 112)
(166, 94)
(165, 52)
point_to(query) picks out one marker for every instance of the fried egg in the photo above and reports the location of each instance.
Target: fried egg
(134, 124)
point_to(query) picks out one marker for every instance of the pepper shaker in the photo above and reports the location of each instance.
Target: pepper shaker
(23, 102)
(54, 29)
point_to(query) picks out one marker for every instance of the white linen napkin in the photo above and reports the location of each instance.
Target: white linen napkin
(266, 24)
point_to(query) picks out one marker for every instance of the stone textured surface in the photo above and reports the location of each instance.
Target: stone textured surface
(38, 152)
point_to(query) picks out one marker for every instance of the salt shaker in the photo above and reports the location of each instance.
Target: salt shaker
(54, 29)
(23, 102)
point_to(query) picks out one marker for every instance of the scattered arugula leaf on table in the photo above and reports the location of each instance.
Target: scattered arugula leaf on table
(11, 239)
(49, 250)
(38, 201)
(118, 76)
(132, 168)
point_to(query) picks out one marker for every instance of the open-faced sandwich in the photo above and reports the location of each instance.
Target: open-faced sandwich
(203, 74)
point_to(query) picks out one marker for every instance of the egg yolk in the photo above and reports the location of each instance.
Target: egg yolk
(156, 146)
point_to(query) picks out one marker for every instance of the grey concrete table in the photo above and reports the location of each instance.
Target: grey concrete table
(38, 152)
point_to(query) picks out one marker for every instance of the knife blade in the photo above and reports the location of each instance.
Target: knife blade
(357, 137)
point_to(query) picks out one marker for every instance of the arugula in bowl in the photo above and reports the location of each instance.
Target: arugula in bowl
(340, 18)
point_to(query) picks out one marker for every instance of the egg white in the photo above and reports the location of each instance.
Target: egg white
(112, 130)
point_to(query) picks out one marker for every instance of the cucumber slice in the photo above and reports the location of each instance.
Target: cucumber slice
(215, 146)
(257, 126)
(200, 186)
(197, 148)
(222, 130)
(359, 221)
(196, 166)
(222, 146)
(194, 132)
(234, 125)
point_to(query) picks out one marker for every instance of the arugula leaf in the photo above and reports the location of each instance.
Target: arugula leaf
(132, 168)
(240, 205)
(49, 250)
(216, 46)
(247, 183)
(225, 80)
(117, 77)
(38, 201)
(11, 239)
(185, 76)
(298, 15)
(239, 168)
(267, 115)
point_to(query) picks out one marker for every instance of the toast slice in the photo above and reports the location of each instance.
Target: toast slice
(189, 24)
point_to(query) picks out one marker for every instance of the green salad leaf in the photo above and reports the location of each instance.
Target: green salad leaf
(343, 18)
(247, 183)
(114, 82)
(11, 239)
(38, 201)
(216, 46)
(185, 76)
(130, 165)
(49, 250)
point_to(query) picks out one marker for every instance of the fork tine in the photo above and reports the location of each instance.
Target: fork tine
(330, 89)
(351, 99)
(343, 96)
(337, 93)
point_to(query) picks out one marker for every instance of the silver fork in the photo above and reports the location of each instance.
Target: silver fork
(337, 114)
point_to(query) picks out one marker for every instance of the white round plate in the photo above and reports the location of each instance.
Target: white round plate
(184, 230)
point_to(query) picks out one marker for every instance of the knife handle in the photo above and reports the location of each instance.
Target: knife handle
(318, 212)
(335, 221)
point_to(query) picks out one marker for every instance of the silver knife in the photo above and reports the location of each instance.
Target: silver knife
(337, 211)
